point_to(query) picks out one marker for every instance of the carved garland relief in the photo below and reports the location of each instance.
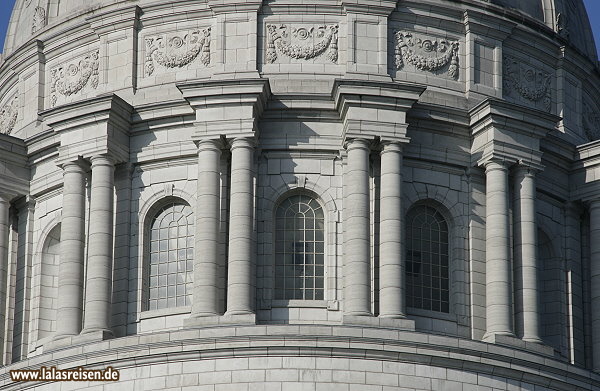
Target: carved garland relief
(426, 54)
(530, 83)
(39, 19)
(591, 122)
(72, 77)
(177, 50)
(302, 42)
(8, 115)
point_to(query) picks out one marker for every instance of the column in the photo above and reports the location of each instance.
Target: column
(527, 311)
(575, 283)
(498, 268)
(4, 261)
(391, 268)
(72, 240)
(98, 290)
(595, 280)
(206, 250)
(240, 270)
(357, 249)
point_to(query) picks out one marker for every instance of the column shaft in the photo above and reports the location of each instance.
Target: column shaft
(70, 269)
(206, 257)
(4, 261)
(391, 257)
(527, 311)
(100, 246)
(498, 267)
(240, 272)
(357, 246)
(595, 280)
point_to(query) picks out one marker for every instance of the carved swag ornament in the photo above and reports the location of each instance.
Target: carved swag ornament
(302, 42)
(8, 115)
(69, 79)
(177, 50)
(530, 83)
(426, 54)
(591, 122)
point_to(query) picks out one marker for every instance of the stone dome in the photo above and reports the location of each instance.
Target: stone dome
(301, 195)
(566, 17)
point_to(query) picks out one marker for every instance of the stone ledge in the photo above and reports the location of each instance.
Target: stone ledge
(242, 319)
(85, 337)
(514, 342)
(374, 321)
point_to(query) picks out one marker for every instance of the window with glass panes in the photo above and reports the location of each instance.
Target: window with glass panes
(299, 249)
(171, 257)
(427, 275)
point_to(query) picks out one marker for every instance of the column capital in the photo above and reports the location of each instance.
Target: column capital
(215, 144)
(243, 142)
(495, 164)
(594, 203)
(391, 146)
(102, 160)
(78, 165)
(357, 143)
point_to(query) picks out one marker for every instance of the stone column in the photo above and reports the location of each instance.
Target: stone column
(498, 267)
(72, 242)
(240, 270)
(595, 280)
(391, 268)
(4, 261)
(206, 251)
(357, 249)
(100, 247)
(527, 298)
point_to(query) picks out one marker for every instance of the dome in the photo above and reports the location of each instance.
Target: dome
(300, 195)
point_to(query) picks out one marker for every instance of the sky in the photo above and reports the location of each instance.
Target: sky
(593, 8)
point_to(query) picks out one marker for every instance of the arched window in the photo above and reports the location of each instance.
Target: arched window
(299, 249)
(170, 272)
(49, 283)
(427, 275)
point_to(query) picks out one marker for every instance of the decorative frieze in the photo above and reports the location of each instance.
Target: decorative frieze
(176, 50)
(591, 122)
(39, 19)
(426, 54)
(530, 83)
(70, 78)
(302, 42)
(8, 115)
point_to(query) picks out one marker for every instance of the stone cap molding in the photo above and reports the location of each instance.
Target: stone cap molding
(508, 132)
(371, 7)
(585, 173)
(14, 167)
(226, 108)
(96, 126)
(377, 109)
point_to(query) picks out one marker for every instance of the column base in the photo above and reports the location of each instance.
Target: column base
(241, 319)
(401, 323)
(83, 338)
(514, 342)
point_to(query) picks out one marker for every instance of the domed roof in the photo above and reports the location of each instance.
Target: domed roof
(567, 17)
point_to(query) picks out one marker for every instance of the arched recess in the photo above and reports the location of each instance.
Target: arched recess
(50, 258)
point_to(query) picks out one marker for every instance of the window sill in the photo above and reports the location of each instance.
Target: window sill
(432, 314)
(164, 312)
(299, 303)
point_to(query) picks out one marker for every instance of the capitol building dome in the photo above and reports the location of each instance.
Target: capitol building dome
(301, 195)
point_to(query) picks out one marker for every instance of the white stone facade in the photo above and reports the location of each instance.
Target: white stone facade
(439, 159)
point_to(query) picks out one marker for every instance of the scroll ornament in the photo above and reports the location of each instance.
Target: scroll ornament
(444, 53)
(177, 51)
(8, 115)
(532, 84)
(71, 78)
(591, 123)
(39, 19)
(302, 43)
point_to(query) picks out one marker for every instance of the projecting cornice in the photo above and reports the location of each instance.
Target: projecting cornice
(14, 168)
(508, 132)
(374, 109)
(226, 108)
(97, 126)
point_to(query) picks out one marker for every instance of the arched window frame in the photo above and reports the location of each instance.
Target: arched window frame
(441, 211)
(148, 218)
(319, 302)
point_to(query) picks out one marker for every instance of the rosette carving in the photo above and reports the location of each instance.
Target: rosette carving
(177, 50)
(591, 122)
(530, 83)
(70, 78)
(302, 42)
(8, 115)
(39, 19)
(426, 54)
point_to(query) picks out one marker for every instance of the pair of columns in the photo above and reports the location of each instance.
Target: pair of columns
(98, 284)
(240, 259)
(357, 232)
(499, 294)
